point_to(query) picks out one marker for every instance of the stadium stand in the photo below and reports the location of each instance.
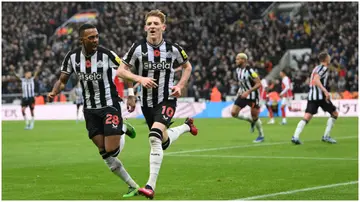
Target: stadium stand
(211, 33)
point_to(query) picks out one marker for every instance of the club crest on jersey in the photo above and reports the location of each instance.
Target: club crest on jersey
(100, 64)
(169, 54)
(89, 77)
(156, 65)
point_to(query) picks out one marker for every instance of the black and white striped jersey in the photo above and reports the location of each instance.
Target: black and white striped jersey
(156, 62)
(95, 75)
(246, 76)
(315, 93)
(28, 87)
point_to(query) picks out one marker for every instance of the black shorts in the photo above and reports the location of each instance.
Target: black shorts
(243, 102)
(162, 112)
(327, 106)
(28, 102)
(106, 121)
(78, 104)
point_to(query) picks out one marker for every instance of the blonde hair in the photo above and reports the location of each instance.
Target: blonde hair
(156, 13)
(243, 55)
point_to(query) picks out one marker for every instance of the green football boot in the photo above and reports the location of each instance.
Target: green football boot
(132, 192)
(130, 130)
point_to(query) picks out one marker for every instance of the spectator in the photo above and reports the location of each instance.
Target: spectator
(212, 32)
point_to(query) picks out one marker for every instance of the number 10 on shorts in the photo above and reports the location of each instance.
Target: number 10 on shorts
(167, 111)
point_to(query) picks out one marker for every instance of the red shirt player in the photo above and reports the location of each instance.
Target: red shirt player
(119, 86)
(263, 89)
(286, 94)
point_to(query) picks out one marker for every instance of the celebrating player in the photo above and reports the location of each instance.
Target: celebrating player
(93, 66)
(156, 58)
(249, 95)
(28, 95)
(318, 97)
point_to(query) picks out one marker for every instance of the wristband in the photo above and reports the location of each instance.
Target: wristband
(131, 92)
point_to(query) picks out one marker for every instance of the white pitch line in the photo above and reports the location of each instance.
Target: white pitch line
(245, 146)
(224, 148)
(297, 190)
(268, 157)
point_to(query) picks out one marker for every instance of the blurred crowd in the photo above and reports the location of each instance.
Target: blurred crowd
(334, 29)
(211, 33)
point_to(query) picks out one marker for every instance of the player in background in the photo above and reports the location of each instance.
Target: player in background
(79, 101)
(157, 58)
(248, 96)
(318, 97)
(270, 102)
(286, 95)
(93, 66)
(263, 91)
(28, 95)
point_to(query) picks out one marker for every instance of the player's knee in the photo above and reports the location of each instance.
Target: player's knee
(103, 153)
(234, 113)
(113, 163)
(155, 133)
(307, 117)
(155, 139)
(114, 153)
(254, 114)
(335, 115)
(306, 121)
(255, 118)
(166, 144)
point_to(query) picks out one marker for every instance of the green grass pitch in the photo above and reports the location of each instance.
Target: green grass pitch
(56, 160)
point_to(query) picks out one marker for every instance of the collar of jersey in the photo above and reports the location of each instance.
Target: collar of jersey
(162, 41)
(88, 56)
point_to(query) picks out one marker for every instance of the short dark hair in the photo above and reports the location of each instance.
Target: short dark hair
(85, 27)
(322, 56)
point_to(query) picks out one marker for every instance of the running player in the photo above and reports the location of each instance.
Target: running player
(156, 58)
(249, 95)
(93, 66)
(318, 97)
(28, 95)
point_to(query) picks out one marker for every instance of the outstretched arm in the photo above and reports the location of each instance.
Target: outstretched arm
(36, 74)
(129, 83)
(12, 68)
(131, 100)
